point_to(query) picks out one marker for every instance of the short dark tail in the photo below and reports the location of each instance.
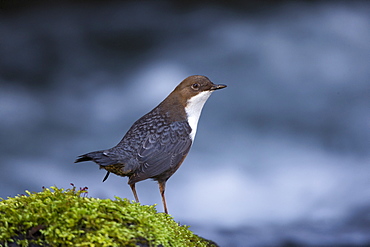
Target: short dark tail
(89, 156)
(99, 157)
(82, 158)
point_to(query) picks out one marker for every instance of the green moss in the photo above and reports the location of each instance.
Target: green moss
(58, 217)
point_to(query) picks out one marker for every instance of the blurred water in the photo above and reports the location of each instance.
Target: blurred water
(281, 156)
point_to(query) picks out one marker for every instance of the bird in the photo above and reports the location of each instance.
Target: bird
(156, 144)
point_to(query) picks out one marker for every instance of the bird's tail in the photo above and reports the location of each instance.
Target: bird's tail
(89, 156)
(110, 161)
(99, 157)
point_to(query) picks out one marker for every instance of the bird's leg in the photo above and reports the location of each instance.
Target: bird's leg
(162, 187)
(134, 192)
(106, 176)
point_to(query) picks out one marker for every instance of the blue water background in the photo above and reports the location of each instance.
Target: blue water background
(281, 156)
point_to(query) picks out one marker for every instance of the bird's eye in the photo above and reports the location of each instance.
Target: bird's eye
(195, 86)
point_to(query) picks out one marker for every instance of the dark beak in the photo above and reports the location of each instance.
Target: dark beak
(219, 86)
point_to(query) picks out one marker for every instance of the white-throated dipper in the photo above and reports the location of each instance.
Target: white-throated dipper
(156, 144)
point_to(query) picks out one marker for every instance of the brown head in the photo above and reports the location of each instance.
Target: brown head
(190, 94)
(194, 85)
(186, 101)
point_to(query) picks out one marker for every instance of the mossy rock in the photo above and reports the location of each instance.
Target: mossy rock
(59, 217)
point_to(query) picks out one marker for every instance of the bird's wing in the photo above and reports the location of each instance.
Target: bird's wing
(163, 150)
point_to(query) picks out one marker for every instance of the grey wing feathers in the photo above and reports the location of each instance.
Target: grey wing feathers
(163, 150)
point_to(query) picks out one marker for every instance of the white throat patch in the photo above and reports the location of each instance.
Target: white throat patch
(194, 108)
